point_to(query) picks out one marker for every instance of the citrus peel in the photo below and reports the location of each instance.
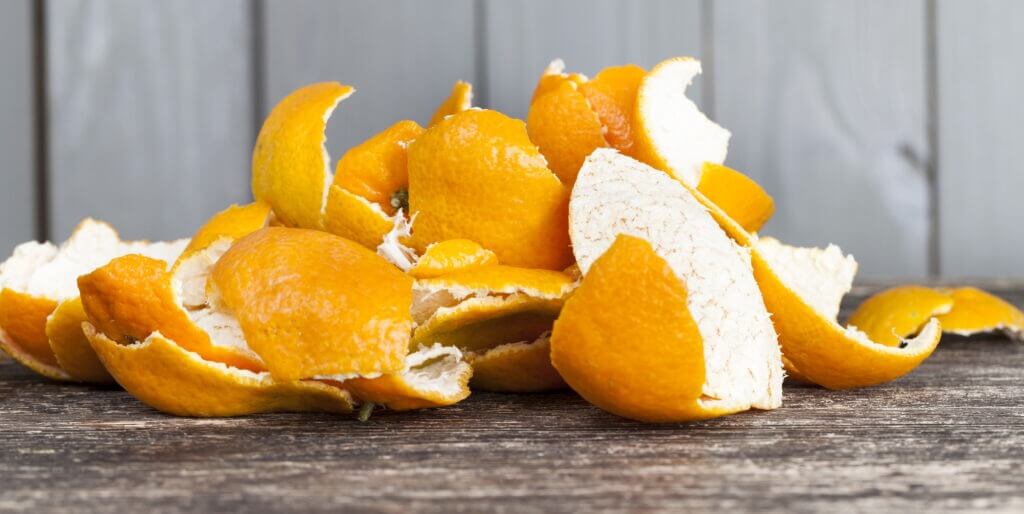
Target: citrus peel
(564, 127)
(500, 316)
(642, 358)
(899, 312)
(735, 193)
(39, 309)
(451, 256)
(476, 175)
(615, 195)
(460, 99)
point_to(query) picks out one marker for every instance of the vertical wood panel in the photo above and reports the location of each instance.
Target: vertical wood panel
(402, 56)
(827, 105)
(17, 142)
(980, 72)
(150, 112)
(523, 37)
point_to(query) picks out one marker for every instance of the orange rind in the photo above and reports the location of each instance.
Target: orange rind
(563, 125)
(892, 315)
(735, 193)
(460, 99)
(164, 334)
(899, 312)
(476, 175)
(615, 195)
(500, 316)
(40, 314)
(450, 256)
(671, 133)
(291, 169)
(627, 342)
(612, 96)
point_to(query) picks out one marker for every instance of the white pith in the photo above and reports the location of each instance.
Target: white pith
(391, 247)
(681, 133)
(821, 277)
(48, 271)
(616, 195)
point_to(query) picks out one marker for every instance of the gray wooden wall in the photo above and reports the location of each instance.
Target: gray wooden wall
(890, 128)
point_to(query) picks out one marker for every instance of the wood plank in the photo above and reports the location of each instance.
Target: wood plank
(151, 112)
(949, 436)
(402, 56)
(827, 105)
(980, 76)
(523, 37)
(17, 138)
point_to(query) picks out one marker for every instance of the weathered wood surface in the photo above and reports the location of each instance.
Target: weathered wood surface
(17, 137)
(979, 135)
(151, 113)
(949, 436)
(827, 103)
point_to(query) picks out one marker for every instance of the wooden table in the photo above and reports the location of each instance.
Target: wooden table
(949, 436)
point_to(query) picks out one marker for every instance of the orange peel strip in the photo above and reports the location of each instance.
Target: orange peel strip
(290, 164)
(169, 378)
(70, 345)
(627, 342)
(460, 99)
(516, 367)
(476, 175)
(891, 316)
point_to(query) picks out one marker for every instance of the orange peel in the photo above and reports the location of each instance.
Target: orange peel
(500, 316)
(39, 309)
(626, 341)
(896, 313)
(291, 168)
(615, 195)
(563, 125)
(891, 316)
(736, 194)
(197, 304)
(671, 133)
(460, 99)
(476, 175)
(450, 256)
(612, 96)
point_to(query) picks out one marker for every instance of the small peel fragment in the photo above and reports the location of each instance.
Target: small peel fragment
(523, 367)
(451, 256)
(70, 345)
(435, 376)
(460, 99)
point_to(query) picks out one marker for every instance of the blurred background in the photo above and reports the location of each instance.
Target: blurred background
(889, 128)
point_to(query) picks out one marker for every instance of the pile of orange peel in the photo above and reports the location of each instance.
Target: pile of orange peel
(601, 245)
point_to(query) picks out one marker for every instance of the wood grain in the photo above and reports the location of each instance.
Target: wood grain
(521, 38)
(151, 112)
(402, 56)
(17, 138)
(949, 436)
(827, 104)
(980, 72)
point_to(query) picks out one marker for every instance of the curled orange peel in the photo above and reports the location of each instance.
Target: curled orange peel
(642, 358)
(476, 175)
(616, 195)
(291, 169)
(742, 198)
(612, 96)
(460, 99)
(899, 312)
(40, 313)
